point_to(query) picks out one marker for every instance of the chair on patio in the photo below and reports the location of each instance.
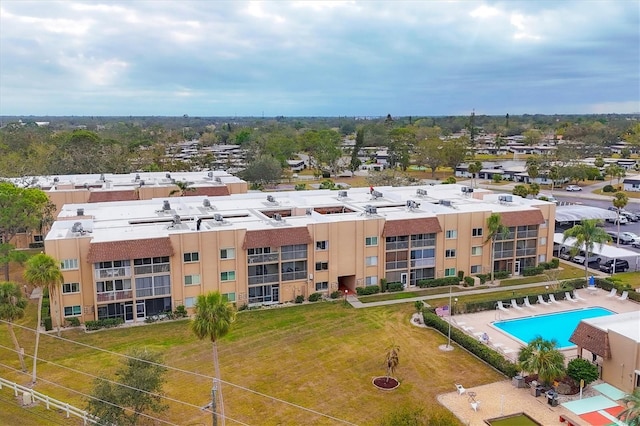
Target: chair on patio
(542, 301)
(567, 295)
(515, 304)
(578, 298)
(552, 298)
(527, 303)
(501, 306)
(612, 293)
(475, 405)
(460, 389)
(623, 296)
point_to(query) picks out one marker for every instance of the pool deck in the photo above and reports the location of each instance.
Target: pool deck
(477, 324)
(503, 398)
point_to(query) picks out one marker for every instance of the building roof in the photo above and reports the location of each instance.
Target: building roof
(129, 249)
(610, 252)
(578, 212)
(521, 218)
(426, 225)
(276, 238)
(592, 334)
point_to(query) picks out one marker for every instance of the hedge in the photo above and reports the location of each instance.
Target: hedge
(395, 287)
(606, 285)
(439, 282)
(533, 270)
(364, 291)
(103, 323)
(469, 281)
(314, 297)
(472, 345)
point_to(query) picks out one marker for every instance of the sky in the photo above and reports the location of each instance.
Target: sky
(319, 58)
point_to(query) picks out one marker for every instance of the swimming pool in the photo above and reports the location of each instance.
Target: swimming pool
(558, 326)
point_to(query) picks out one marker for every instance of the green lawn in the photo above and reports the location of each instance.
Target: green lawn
(320, 356)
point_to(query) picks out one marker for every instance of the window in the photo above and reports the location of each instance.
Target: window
(543, 241)
(476, 251)
(372, 280)
(322, 266)
(322, 285)
(189, 302)
(192, 257)
(476, 269)
(38, 238)
(229, 297)
(228, 253)
(71, 288)
(191, 279)
(72, 311)
(322, 245)
(228, 276)
(450, 272)
(476, 232)
(451, 234)
(371, 241)
(449, 253)
(150, 265)
(371, 260)
(69, 264)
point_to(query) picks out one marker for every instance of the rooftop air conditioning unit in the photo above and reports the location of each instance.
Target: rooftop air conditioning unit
(505, 198)
(271, 199)
(166, 206)
(421, 192)
(218, 217)
(206, 203)
(141, 183)
(137, 177)
(369, 209)
(77, 227)
(102, 178)
(376, 194)
(277, 217)
(176, 219)
(445, 203)
(466, 189)
(218, 180)
(411, 204)
(342, 194)
(210, 174)
(80, 212)
(168, 175)
(56, 179)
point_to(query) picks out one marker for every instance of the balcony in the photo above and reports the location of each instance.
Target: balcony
(263, 258)
(112, 273)
(264, 279)
(115, 295)
(424, 262)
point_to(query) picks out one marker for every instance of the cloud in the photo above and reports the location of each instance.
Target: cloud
(317, 58)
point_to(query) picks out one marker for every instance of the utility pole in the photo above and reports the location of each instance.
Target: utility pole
(214, 407)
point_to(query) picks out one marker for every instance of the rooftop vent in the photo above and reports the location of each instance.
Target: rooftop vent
(176, 219)
(308, 212)
(466, 189)
(80, 212)
(206, 203)
(168, 175)
(342, 194)
(218, 217)
(56, 179)
(217, 179)
(102, 178)
(210, 174)
(141, 183)
(376, 194)
(411, 204)
(505, 198)
(137, 177)
(271, 199)
(77, 227)
(277, 217)
(86, 186)
(166, 206)
(369, 209)
(445, 203)
(421, 192)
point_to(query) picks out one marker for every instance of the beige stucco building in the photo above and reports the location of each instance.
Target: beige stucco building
(132, 259)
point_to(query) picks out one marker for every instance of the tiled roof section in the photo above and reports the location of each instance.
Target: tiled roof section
(522, 217)
(276, 237)
(425, 225)
(592, 339)
(129, 249)
(119, 195)
(211, 191)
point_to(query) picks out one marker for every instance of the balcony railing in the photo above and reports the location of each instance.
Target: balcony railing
(526, 252)
(113, 273)
(396, 265)
(263, 258)
(504, 254)
(264, 279)
(115, 295)
(424, 262)
(527, 234)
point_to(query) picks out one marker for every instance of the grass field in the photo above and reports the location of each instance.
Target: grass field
(319, 356)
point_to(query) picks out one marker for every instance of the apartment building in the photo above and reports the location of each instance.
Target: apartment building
(98, 188)
(136, 258)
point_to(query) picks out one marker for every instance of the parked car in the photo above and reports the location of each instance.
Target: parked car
(573, 188)
(631, 217)
(624, 239)
(623, 220)
(634, 237)
(621, 265)
(580, 259)
(547, 197)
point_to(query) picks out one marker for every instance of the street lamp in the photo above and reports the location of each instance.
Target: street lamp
(450, 309)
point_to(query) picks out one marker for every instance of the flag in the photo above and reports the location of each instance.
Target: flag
(443, 311)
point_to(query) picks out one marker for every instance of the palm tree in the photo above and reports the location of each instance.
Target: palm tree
(43, 271)
(183, 188)
(392, 359)
(586, 235)
(631, 414)
(496, 230)
(212, 319)
(473, 169)
(12, 305)
(620, 200)
(543, 358)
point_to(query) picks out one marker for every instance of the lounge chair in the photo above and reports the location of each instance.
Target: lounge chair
(612, 293)
(475, 405)
(460, 389)
(592, 288)
(527, 303)
(467, 328)
(624, 296)
(552, 299)
(501, 306)
(567, 295)
(515, 304)
(578, 298)
(542, 301)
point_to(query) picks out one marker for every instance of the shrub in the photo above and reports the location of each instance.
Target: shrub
(497, 178)
(300, 186)
(299, 298)
(469, 281)
(73, 322)
(555, 262)
(608, 188)
(47, 323)
(533, 270)
(449, 180)
(501, 274)
(370, 289)
(581, 369)
(180, 312)
(314, 297)
(395, 287)
(439, 282)
(460, 275)
(335, 294)
(383, 285)
(103, 323)
(483, 278)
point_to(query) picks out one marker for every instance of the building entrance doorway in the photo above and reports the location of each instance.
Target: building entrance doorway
(347, 282)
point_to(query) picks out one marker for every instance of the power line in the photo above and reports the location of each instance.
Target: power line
(309, 410)
(47, 418)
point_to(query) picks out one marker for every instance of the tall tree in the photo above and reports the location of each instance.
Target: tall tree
(43, 271)
(138, 391)
(212, 320)
(620, 201)
(403, 140)
(532, 137)
(392, 359)
(355, 161)
(263, 170)
(8, 253)
(12, 305)
(474, 168)
(496, 230)
(542, 357)
(586, 235)
(631, 414)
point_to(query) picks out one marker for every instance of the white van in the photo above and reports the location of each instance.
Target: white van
(547, 197)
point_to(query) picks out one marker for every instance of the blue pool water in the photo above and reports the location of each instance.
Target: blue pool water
(558, 326)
